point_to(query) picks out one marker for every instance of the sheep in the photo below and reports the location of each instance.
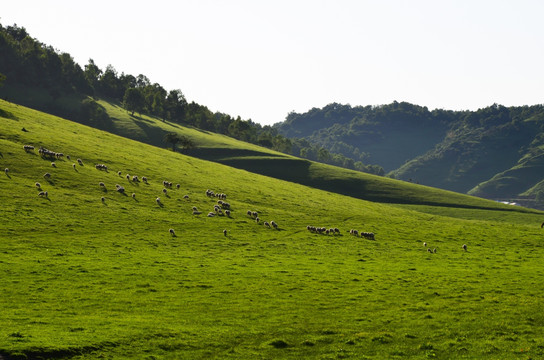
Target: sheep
(225, 232)
(211, 214)
(103, 199)
(134, 195)
(255, 214)
(119, 173)
(195, 208)
(144, 179)
(135, 178)
(28, 148)
(464, 247)
(101, 167)
(274, 225)
(164, 191)
(74, 166)
(68, 157)
(368, 235)
(266, 224)
(101, 184)
(227, 212)
(47, 175)
(196, 212)
(80, 162)
(59, 155)
(43, 193)
(434, 250)
(120, 188)
(424, 244)
(186, 197)
(128, 177)
(178, 186)
(6, 170)
(257, 219)
(38, 185)
(172, 232)
(53, 164)
(158, 200)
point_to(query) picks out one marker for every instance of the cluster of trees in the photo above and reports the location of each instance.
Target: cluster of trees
(28, 62)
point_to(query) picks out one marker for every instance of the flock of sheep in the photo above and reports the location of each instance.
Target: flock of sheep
(221, 208)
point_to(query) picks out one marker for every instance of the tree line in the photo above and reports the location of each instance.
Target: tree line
(29, 63)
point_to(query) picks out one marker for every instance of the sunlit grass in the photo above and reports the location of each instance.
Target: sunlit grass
(86, 279)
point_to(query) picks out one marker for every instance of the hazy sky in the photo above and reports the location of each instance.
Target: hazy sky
(263, 59)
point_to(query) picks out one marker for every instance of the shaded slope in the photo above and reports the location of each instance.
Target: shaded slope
(232, 152)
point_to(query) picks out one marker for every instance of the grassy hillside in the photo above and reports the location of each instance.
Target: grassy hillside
(260, 160)
(87, 279)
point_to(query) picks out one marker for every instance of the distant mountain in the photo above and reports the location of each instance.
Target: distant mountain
(495, 152)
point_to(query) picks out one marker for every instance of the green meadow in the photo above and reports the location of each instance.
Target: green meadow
(82, 278)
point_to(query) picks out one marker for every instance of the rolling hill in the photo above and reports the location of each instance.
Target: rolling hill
(493, 152)
(86, 278)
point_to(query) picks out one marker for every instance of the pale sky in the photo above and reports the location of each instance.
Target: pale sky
(263, 59)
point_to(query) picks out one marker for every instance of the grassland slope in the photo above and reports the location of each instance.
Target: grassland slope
(87, 278)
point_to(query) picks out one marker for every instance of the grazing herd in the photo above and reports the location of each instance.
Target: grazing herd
(221, 208)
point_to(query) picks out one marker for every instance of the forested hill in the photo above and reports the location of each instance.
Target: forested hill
(495, 152)
(41, 77)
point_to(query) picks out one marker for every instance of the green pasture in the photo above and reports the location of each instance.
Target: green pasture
(85, 279)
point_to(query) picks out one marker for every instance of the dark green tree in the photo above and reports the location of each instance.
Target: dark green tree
(172, 138)
(133, 100)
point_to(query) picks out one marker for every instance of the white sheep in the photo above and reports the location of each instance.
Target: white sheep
(172, 232)
(225, 232)
(38, 185)
(103, 199)
(464, 247)
(134, 195)
(43, 193)
(47, 175)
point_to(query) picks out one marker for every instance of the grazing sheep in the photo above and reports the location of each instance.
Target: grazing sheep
(186, 197)
(211, 214)
(120, 188)
(225, 232)
(336, 230)
(47, 175)
(464, 247)
(424, 244)
(103, 199)
(144, 179)
(429, 250)
(80, 162)
(53, 164)
(196, 212)
(172, 232)
(257, 219)
(128, 177)
(255, 214)
(42, 193)
(164, 191)
(178, 186)
(368, 235)
(273, 224)
(38, 185)
(6, 170)
(119, 173)
(158, 200)
(227, 212)
(101, 184)
(434, 250)
(68, 157)
(28, 148)
(266, 224)
(195, 208)
(134, 195)
(135, 178)
(74, 166)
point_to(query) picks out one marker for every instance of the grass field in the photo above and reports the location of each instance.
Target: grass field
(86, 279)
